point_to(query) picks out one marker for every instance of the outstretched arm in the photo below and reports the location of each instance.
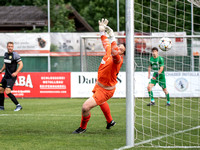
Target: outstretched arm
(106, 44)
(104, 39)
(114, 47)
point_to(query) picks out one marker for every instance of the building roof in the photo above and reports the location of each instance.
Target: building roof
(29, 16)
(22, 16)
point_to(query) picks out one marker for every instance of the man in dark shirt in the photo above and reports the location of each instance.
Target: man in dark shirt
(11, 60)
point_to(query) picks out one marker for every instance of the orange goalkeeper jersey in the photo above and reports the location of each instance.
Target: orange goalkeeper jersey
(110, 64)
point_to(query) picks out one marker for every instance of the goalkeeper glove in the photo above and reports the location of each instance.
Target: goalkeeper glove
(102, 24)
(110, 33)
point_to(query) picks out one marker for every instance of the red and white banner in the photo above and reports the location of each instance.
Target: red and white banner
(80, 84)
(38, 84)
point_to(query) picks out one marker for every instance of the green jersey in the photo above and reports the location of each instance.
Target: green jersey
(156, 63)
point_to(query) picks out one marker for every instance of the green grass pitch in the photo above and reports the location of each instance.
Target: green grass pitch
(47, 124)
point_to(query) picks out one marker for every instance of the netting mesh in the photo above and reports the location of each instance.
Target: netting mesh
(178, 125)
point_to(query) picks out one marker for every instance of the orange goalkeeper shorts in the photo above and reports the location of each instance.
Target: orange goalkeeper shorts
(101, 95)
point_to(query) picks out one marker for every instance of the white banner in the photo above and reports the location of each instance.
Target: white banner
(179, 44)
(196, 46)
(82, 84)
(26, 43)
(179, 84)
(70, 42)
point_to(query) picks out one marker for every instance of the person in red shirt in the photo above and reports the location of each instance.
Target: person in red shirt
(106, 80)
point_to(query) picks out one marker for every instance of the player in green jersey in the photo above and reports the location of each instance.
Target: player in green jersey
(157, 65)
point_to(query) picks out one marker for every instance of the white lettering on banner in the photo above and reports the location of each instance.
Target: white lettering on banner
(52, 82)
(21, 91)
(52, 86)
(24, 82)
(53, 78)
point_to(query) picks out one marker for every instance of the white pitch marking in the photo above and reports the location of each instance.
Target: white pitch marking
(158, 138)
(43, 115)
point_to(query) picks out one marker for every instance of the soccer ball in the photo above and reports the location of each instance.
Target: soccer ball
(165, 44)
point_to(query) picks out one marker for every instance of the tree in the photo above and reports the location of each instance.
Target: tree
(93, 11)
(58, 14)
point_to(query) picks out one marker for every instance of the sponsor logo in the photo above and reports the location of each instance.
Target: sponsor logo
(24, 81)
(41, 42)
(181, 84)
(7, 61)
(84, 80)
(10, 57)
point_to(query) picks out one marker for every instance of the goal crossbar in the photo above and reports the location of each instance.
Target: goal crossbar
(144, 36)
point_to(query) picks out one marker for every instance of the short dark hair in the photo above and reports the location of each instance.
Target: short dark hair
(10, 43)
(154, 48)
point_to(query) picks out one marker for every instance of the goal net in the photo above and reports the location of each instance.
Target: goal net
(178, 125)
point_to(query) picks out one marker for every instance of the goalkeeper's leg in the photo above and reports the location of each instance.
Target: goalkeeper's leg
(106, 111)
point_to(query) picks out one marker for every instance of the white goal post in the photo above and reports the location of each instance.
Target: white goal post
(177, 126)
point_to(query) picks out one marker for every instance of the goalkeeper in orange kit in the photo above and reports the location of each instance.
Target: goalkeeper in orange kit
(106, 80)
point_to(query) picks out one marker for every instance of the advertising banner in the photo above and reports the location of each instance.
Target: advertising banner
(70, 42)
(82, 84)
(196, 46)
(39, 84)
(179, 84)
(26, 43)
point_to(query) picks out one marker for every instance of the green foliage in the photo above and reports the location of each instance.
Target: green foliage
(59, 15)
(150, 16)
(165, 16)
(93, 11)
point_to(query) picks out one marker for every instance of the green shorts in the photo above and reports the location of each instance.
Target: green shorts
(160, 80)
